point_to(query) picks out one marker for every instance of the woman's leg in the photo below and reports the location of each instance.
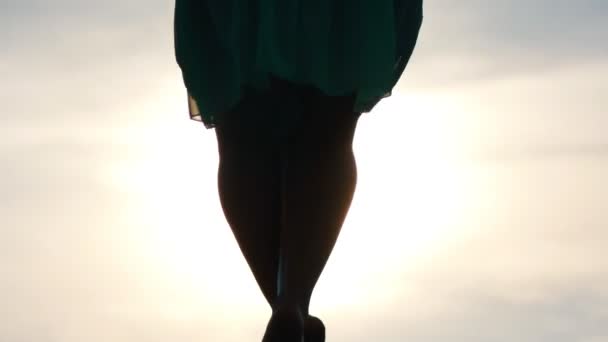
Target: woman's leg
(320, 184)
(250, 193)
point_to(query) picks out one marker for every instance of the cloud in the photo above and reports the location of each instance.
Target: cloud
(546, 114)
(475, 40)
(83, 63)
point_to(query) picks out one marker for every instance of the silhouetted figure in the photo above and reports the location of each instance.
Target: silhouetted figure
(284, 82)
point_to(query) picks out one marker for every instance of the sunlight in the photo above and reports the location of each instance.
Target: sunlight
(407, 202)
(410, 195)
(180, 226)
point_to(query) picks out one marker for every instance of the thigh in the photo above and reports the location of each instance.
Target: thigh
(241, 135)
(328, 119)
(263, 115)
(287, 112)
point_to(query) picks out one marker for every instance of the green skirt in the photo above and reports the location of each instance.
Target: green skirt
(338, 46)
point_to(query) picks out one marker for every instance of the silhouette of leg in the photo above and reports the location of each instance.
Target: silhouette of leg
(320, 184)
(250, 193)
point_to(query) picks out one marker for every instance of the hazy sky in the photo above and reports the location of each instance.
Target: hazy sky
(489, 224)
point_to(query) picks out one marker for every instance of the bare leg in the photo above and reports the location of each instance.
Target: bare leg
(320, 184)
(312, 198)
(250, 193)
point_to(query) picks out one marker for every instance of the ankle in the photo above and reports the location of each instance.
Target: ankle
(288, 303)
(288, 308)
(286, 324)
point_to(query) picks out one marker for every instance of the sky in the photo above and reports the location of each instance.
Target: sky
(487, 224)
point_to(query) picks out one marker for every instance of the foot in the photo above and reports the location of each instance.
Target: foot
(286, 325)
(314, 330)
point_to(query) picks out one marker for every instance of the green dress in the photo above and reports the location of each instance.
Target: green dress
(338, 46)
